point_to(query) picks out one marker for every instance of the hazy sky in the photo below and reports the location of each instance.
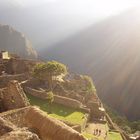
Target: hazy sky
(53, 20)
(100, 7)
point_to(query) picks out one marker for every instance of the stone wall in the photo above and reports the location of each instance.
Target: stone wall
(37, 93)
(57, 99)
(16, 116)
(34, 83)
(67, 102)
(2, 108)
(110, 122)
(6, 78)
(78, 127)
(63, 101)
(12, 126)
(18, 66)
(2, 68)
(13, 96)
(50, 128)
(96, 113)
(47, 128)
(60, 90)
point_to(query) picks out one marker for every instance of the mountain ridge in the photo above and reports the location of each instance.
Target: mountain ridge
(108, 52)
(15, 42)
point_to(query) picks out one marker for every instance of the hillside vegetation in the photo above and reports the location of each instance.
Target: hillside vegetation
(128, 126)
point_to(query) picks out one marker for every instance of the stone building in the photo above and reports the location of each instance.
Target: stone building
(4, 55)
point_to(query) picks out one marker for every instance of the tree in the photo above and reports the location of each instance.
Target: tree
(50, 99)
(46, 71)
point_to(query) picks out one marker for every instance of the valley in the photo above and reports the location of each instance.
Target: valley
(109, 52)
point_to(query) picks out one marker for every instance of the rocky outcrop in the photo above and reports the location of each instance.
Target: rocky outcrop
(15, 42)
(5, 127)
(9, 131)
(20, 134)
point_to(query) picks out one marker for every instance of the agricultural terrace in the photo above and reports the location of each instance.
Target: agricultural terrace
(60, 112)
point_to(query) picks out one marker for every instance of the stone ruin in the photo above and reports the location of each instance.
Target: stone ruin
(72, 87)
(20, 121)
(30, 123)
(12, 97)
(16, 65)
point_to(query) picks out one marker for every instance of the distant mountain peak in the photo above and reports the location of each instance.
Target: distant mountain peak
(15, 42)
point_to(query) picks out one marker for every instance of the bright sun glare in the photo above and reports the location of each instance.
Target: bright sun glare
(100, 7)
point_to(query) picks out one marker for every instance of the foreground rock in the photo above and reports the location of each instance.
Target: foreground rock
(8, 131)
(20, 135)
(5, 127)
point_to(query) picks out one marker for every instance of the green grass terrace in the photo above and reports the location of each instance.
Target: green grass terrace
(110, 136)
(91, 137)
(114, 136)
(58, 111)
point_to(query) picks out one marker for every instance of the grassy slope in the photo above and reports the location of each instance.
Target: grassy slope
(58, 111)
(114, 136)
(90, 136)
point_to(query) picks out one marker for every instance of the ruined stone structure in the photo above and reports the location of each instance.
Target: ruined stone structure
(71, 92)
(29, 123)
(18, 66)
(4, 55)
(38, 123)
(65, 101)
(20, 121)
(4, 79)
(15, 65)
(60, 90)
(57, 99)
(13, 96)
(78, 84)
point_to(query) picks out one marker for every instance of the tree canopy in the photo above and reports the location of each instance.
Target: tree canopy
(51, 68)
(45, 71)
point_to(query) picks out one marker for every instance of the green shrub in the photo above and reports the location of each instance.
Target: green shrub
(89, 83)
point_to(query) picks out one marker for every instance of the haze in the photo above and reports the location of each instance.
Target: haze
(46, 22)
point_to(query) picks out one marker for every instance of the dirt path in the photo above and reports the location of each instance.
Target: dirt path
(100, 126)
